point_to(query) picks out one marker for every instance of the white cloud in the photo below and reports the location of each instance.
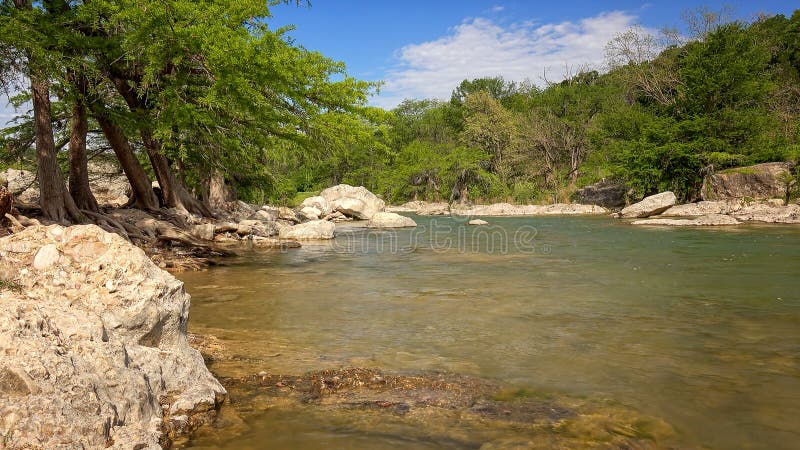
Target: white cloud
(497, 8)
(482, 48)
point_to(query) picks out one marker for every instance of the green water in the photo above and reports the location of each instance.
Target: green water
(698, 327)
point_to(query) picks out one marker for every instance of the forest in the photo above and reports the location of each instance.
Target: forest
(213, 103)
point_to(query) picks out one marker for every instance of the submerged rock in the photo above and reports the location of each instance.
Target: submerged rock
(313, 230)
(444, 409)
(758, 182)
(650, 206)
(93, 338)
(477, 222)
(390, 220)
(355, 202)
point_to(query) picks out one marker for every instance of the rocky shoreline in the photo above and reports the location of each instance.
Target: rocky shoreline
(93, 338)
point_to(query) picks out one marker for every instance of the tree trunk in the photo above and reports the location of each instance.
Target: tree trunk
(78, 163)
(56, 202)
(141, 186)
(175, 193)
(217, 193)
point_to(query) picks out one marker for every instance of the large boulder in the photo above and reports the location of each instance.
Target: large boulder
(759, 182)
(314, 230)
(355, 202)
(650, 206)
(390, 220)
(93, 344)
(605, 193)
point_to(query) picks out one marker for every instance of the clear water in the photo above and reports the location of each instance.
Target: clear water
(699, 327)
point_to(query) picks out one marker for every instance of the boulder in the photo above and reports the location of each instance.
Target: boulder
(605, 193)
(317, 202)
(390, 220)
(759, 182)
(477, 222)
(255, 228)
(650, 206)
(93, 344)
(336, 217)
(316, 229)
(204, 231)
(702, 221)
(704, 208)
(355, 202)
(310, 213)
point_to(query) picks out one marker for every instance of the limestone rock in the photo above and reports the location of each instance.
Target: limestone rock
(506, 209)
(759, 182)
(650, 206)
(706, 220)
(313, 230)
(604, 193)
(22, 184)
(6, 201)
(319, 203)
(390, 220)
(94, 345)
(255, 228)
(204, 231)
(310, 213)
(434, 209)
(355, 202)
(704, 208)
(412, 206)
(477, 222)
(766, 213)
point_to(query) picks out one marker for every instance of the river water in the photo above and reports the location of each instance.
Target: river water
(697, 327)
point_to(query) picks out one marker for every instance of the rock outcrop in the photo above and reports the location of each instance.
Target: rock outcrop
(650, 206)
(768, 213)
(390, 220)
(355, 202)
(759, 182)
(22, 184)
(702, 221)
(704, 208)
(93, 344)
(506, 209)
(604, 193)
(313, 230)
(318, 202)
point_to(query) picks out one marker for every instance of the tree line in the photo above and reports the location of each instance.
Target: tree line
(211, 102)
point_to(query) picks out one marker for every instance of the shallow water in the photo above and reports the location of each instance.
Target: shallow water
(698, 327)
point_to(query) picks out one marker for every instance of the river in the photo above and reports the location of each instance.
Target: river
(699, 328)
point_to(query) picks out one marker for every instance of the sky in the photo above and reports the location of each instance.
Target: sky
(423, 49)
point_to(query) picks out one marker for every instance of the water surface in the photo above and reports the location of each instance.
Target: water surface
(698, 327)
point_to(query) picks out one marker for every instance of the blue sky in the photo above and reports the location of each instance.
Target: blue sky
(424, 48)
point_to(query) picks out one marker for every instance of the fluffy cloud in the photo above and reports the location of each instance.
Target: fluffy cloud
(483, 48)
